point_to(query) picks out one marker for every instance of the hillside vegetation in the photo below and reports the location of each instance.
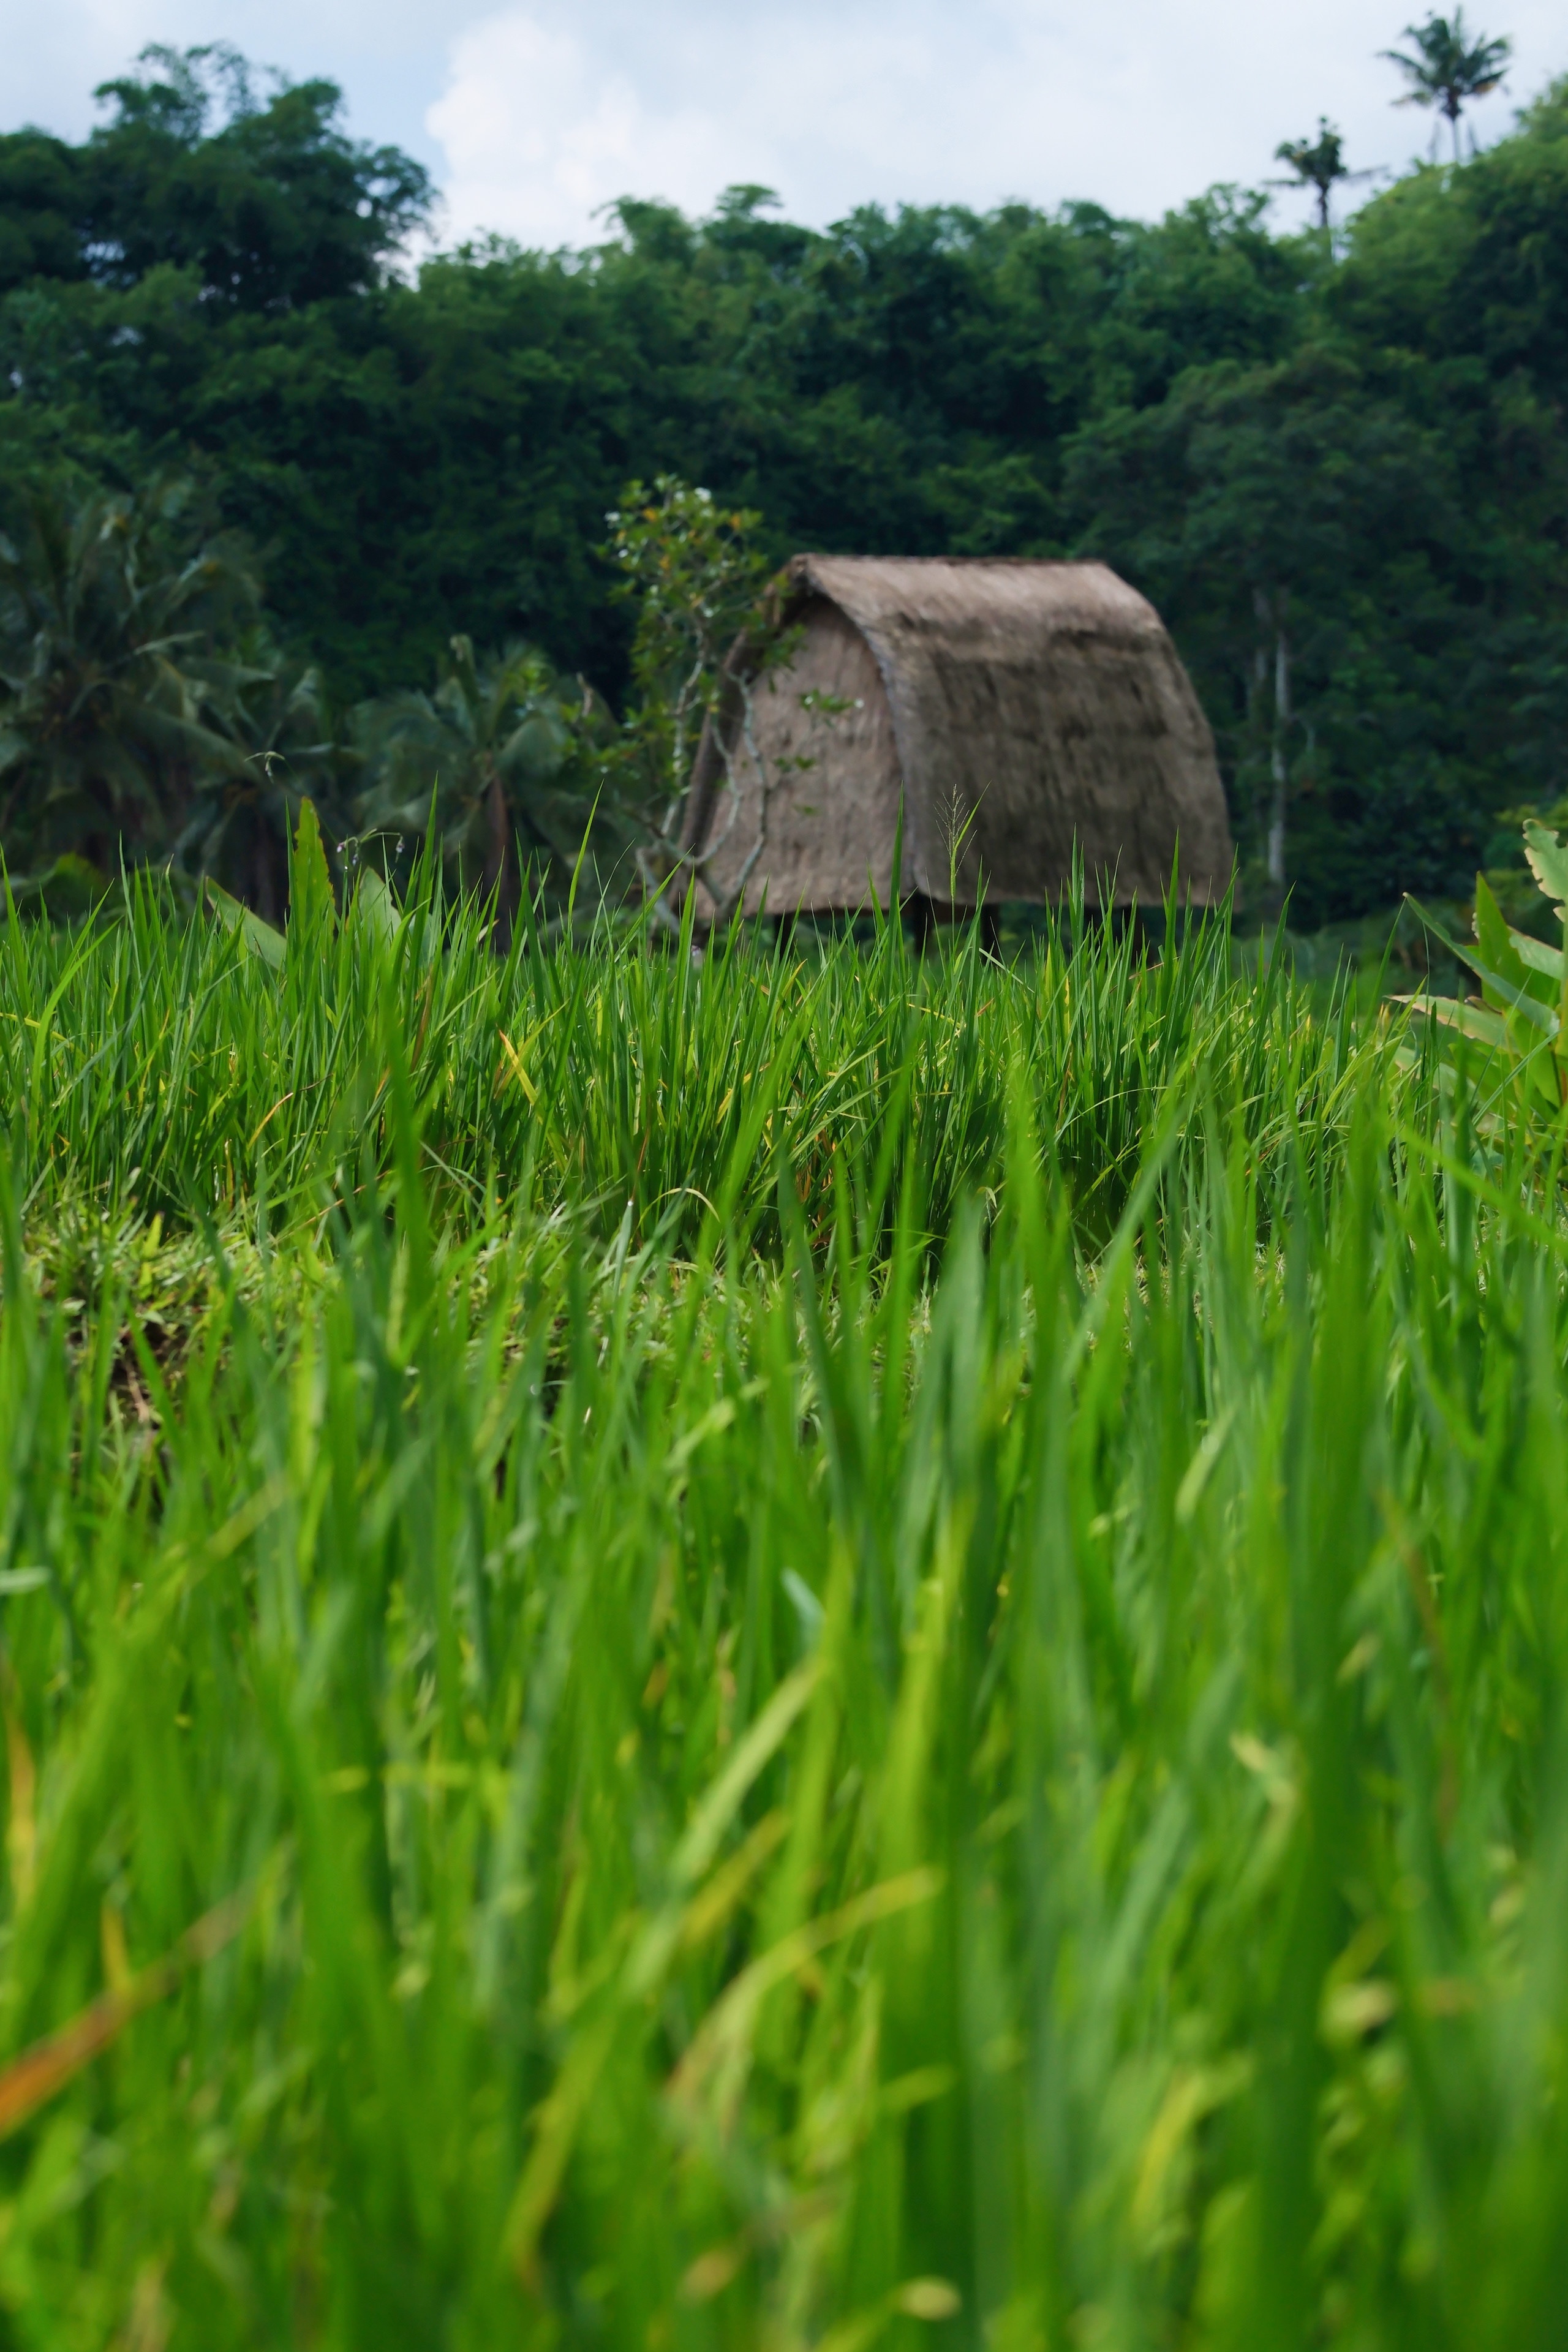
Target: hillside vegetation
(804, 1652)
(1347, 451)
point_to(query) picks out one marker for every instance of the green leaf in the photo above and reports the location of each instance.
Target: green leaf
(258, 937)
(311, 907)
(1514, 997)
(1495, 939)
(1548, 861)
(1476, 1021)
(377, 907)
(1539, 957)
(1526, 964)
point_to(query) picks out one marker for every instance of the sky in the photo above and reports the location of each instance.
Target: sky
(534, 118)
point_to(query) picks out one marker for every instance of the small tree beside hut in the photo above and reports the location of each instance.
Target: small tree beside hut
(702, 633)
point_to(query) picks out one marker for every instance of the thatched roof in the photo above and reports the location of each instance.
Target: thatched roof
(1040, 704)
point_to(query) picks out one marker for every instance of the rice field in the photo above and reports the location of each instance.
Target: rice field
(783, 1650)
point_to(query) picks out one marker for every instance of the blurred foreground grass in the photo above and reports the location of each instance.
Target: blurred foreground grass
(785, 1654)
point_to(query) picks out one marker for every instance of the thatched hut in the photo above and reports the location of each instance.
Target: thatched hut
(1014, 709)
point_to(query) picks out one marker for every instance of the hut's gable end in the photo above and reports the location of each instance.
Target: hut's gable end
(823, 733)
(1038, 708)
(1028, 752)
(1019, 713)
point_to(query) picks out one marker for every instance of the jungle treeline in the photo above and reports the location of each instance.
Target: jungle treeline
(1337, 461)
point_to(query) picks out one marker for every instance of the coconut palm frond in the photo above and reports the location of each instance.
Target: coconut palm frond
(1447, 65)
(114, 705)
(504, 755)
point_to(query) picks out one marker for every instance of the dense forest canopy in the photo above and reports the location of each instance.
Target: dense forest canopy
(1337, 462)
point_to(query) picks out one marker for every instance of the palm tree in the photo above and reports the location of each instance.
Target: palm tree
(243, 814)
(501, 753)
(111, 703)
(1317, 163)
(1450, 66)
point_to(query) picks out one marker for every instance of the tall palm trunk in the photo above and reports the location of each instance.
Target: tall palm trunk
(1278, 768)
(1272, 613)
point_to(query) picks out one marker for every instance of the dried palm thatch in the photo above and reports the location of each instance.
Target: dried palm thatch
(1017, 711)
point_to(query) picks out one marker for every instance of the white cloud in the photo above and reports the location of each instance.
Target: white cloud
(539, 135)
(536, 114)
(551, 111)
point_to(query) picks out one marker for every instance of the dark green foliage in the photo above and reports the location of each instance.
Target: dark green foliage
(1307, 499)
(280, 744)
(270, 209)
(40, 232)
(1469, 269)
(505, 761)
(1375, 438)
(116, 691)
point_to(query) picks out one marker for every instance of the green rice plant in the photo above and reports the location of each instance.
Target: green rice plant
(959, 1741)
(177, 1069)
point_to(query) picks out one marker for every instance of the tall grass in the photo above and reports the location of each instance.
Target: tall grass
(167, 1070)
(880, 1663)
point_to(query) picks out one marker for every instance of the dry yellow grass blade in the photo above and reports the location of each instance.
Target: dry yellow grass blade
(34, 2078)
